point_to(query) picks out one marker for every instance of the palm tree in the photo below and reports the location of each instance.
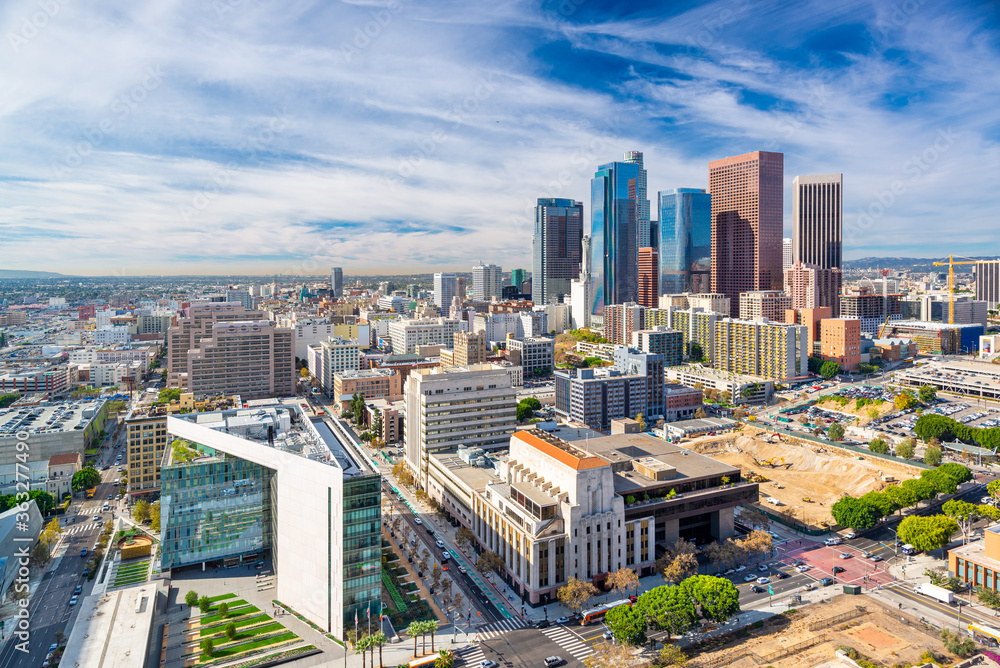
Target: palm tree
(414, 629)
(362, 646)
(432, 626)
(378, 640)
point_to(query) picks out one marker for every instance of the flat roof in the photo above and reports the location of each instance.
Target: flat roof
(112, 629)
(50, 416)
(476, 477)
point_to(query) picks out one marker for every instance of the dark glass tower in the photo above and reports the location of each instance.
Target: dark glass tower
(556, 249)
(685, 241)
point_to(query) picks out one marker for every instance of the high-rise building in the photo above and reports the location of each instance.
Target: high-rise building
(811, 286)
(988, 282)
(595, 397)
(448, 408)
(620, 320)
(870, 308)
(581, 290)
(252, 358)
(786, 253)
(556, 248)
(662, 341)
(770, 304)
(649, 273)
(773, 350)
(469, 348)
(840, 341)
(747, 223)
(633, 362)
(486, 282)
(147, 438)
(331, 356)
(337, 282)
(810, 317)
(518, 276)
(535, 355)
(642, 221)
(685, 232)
(194, 324)
(614, 234)
(445, 287)
(817, 220)
(408, 335)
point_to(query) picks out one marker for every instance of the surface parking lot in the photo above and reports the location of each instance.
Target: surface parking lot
(902, 423)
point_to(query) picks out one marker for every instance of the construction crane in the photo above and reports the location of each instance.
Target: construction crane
(884, 325)
(951, 284)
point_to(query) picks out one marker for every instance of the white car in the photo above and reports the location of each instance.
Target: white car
(763, 581)
(802, 569)
(740, 568)
(762, 568)
(417, 520)
(832, 541)
(851, 535)
(846, 555)
(749, 578)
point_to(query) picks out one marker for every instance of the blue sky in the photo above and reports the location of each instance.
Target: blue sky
(250, 136)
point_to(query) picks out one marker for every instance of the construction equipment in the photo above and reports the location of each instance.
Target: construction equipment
(777, 461)
(951, 284)
(884, 325)
(807, 499)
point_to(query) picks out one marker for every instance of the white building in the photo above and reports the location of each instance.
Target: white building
(408, 335)
(486, 282)
(331, 356)
(445, 287)
(109, 336)
(393, 303)
(532, 353)
(558, 315)
(103, 374)
(307, 332)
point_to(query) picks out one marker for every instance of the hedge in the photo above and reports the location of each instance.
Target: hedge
(931, 425)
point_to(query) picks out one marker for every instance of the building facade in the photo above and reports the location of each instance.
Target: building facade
(649, 275)
(811, 286)
(254, 359)
(486, 282)
(337, 283)
(840, 341)
(988, 282)
(534, 355)
(595, 397)
(770, 304)
(556, 250)
(408, 335)
(615, 234)
(445, 289)
(817, 220)
(685, 240)
(773, 350)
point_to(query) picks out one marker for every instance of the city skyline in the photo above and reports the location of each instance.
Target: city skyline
(225, 155)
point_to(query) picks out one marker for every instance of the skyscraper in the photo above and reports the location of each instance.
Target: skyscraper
(988, 282)
(649, 274)
(337, 283)
(580, 290)
(445, 287)
(746, 223)
(641, 201)
(517, 276)
(556, 249)
(786, 254)
(614, 234)
(486, 282)
(817, 220)
(685, 240)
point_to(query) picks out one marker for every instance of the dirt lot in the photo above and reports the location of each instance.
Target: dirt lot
(880, 634)
(865, 414)
(807, 473)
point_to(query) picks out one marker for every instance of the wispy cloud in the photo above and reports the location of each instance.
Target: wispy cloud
(142, 138)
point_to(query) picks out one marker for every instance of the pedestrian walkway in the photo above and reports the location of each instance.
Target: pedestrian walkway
(568, 641)
(82, 528)
(494, 629)
(469, 656)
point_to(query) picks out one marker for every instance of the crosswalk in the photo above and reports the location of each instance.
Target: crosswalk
(85, 527)
(470, 656)
(569, 641)
(494, 629)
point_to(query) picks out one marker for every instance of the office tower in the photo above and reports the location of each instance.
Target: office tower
(817, 220)
(811, 286)
(461, 288)
(337, 283)
(773, 350)
(786, 253)
(445, 287)
(195, 323)
(245, 484)
(770, 304)
(448, 408)
(518, 276)
(252, 358)
(147, 438)
(581, 290)
(746, 223)
(536, 355)
(685, 240)
(620, 320)
(486, 282)
(649, 273)
(988, 282)
(556, 248)
(327, 358)
(595, 397)
(408, 335)
(469, 348)
(632, 362)
(642, 221)
(614, 234)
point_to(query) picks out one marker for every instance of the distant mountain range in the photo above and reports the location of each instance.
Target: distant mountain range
(20, 273)
(908, 263)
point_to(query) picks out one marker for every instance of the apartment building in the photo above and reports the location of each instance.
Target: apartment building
(739, 389)
(770, 304)
(370, 383)
(408, 335)
(840, 341)
(534, 355)
(620, 320)
(680, 402)
(254, 359)
(708, 301)
(457, 406)
(762, 348)
(662, 341)
(194, 324)
(810, 317)
(812, 286)
(634, 362)
(332, 356)
(697, 330)
(595, 397)
(146, 439)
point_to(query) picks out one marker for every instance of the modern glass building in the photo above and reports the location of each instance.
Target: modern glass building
(615, 234)
(685, 241)
(556, 249)
(242, 484)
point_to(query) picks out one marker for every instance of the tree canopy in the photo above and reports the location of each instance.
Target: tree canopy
(85, 479)
(927, 533)
(669, 608)
(927, 393)
(628, 624)
(717, 598)
(932, 425)
(855, 513)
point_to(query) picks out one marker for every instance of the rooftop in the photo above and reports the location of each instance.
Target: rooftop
(562, 451)
(48, 417)
(112, 629)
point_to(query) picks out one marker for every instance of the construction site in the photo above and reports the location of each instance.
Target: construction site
(800, 478)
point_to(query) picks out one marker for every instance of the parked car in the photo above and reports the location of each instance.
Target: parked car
(749, 578)
(439, 545)
(78, 590)
(562, 620)
(763, 581)
(826, 582)
(846, 555)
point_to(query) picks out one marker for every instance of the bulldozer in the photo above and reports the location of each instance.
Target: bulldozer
(807, 499)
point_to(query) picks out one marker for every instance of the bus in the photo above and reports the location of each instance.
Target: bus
(986, 635)
(90, 492)
(428, 661)
(597, 614)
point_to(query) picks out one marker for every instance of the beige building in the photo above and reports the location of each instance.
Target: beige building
(469, 348)
(770, 304)
(196, 324)
(146, 439)
(254, 359)
(61, 470)
(811, 286)
(371, 383)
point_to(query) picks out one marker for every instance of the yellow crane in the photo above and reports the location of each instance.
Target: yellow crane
(951, 284)
(884, 325)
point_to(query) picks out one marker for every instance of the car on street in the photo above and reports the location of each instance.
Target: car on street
(749, 578)
(83, 552)
(73, 600)
(97, 518)
(850, 535)
(831, 541)
(445, 556)
(553, 661)
(866, 554)
(542, 624)
(110, 496)
(562, 620)
(417, 520)
(608, 635)
(757, 589)
(439, 544)
(461, 569)
(773, 534)
(740, 568)
(838, 569)
(78, 590)
(875, 557)
(846, 555)
(826, 582)
(52, 647)
(762, 568)
(763, 581)
(783, 575)
(488, 664)
(802, 568)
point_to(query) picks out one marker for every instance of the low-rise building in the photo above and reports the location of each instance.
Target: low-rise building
(745, 389)
(61, 471)
(840, 341)
(537, 355)
(680, 402)
(370, 383)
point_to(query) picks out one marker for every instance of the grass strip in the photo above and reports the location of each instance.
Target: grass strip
(239, 649)
(258, 619)
(220, 597)
(232, 613)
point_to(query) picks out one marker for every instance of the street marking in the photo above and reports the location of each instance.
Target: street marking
(469, 656)
(569, 641)
(494, 629)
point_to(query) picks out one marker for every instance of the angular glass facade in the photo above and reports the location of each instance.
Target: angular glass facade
(614, 235)
(685, 230)
(362, 547)
(556, 249)
(214, 508)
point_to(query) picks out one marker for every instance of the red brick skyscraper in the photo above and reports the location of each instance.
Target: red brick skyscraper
(649, 273)
(746, 223)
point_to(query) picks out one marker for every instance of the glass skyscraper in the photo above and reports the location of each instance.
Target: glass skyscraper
(556, 249)
(685, 241)
(615, 234)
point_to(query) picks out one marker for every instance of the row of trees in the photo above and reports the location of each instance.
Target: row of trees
(864, 512)
(932, 426)
(45, 501)
(680, 560)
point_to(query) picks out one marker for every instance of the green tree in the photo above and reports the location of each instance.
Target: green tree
(524, 413)
(962, 512)
(231, 631)
(717, 598)
(901, 497)
(445, 660)
(906, 448)
(932, 456)
(880, 500)
(668, 608)
(672, 655)
(879, 445)
(927, 393)
(628, 624)
(154, 516)
(993, 489)
(191, 598)
(942, 483)
(204, 604)
(208, 647)
(835, 432)
(855, 513)
(223, 609)
(988, 597)
(85, 479)
(956, 471)
(923, 490)
(413, 630)
(927, 533)
(829, 369)
(45, 501)
(141, 511)
(378, 640)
